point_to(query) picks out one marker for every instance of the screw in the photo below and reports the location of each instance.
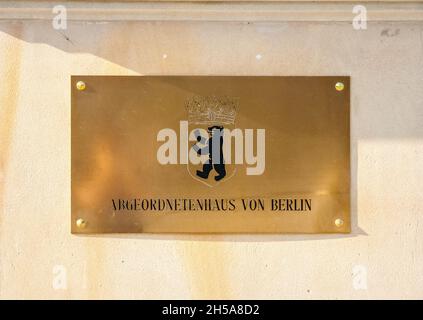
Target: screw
(80, 85)
(339, 86)
(81, 223)
(339, 222)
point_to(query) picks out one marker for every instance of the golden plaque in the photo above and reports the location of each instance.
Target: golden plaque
(210, 154)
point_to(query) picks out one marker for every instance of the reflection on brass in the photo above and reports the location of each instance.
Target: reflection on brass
(339, 86)
(192, 154)
(80, 85)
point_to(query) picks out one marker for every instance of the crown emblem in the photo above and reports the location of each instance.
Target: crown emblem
(211, 110)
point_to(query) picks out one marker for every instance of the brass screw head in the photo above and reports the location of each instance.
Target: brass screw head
(339, 86)
(81, 223)
(80, 85)
(339, 222)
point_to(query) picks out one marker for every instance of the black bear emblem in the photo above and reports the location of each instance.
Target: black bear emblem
(214, 149)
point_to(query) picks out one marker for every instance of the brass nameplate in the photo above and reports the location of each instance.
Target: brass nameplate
(210, 154)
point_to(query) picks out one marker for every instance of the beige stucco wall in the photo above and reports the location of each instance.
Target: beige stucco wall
(385, 63)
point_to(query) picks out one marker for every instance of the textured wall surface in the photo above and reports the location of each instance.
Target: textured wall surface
(39, 258)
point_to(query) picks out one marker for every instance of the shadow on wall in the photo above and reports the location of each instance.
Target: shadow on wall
(223, 48)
